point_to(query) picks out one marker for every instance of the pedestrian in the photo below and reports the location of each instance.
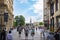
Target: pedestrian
(57, 34)
(36, 28)
(3, 34)
(50, 36)
(26, 31)
(32, 32)
(9, 36)
(20, 30)
(0, 34)
(46, 33)
(41, 32)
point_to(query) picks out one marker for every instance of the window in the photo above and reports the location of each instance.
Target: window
(56, 6)
(5, 17)
(52, 8)
(52, 22)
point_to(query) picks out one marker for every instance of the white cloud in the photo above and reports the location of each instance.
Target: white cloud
(23, 1)
(38, 6)
(33, 19)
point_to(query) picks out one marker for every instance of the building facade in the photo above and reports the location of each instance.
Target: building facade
(36, 24)
(6, 13)
(54, 14)
(46, 14)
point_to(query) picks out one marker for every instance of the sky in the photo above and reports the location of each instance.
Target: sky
(30, 9)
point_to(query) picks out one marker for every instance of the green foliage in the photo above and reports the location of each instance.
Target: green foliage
(41, 23)
(15, 24)
(16, 17)
(20, 20)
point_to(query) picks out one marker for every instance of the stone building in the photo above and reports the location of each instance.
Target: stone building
(46, 13)
(54, 14)
(6, 13)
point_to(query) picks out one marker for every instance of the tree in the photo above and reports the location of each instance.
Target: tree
(16, 17)
(16, 21)
(41, 23)
(22, 20)
(15, 24)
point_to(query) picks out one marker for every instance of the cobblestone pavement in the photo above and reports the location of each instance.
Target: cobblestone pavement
(16, 36)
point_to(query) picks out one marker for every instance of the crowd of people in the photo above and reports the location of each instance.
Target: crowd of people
(50, 35)
(26, 31)
(53, 35)
(4, 35)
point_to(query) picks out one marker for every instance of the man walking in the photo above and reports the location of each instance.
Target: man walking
(3, 34)
(26, 32)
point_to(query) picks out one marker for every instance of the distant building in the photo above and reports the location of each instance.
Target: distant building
(36, 24)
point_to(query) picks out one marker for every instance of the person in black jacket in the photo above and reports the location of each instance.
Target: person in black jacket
(3, 34)
(57, 34)
(0, 34)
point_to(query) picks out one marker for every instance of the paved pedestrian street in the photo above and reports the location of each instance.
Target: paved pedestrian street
(16, 35)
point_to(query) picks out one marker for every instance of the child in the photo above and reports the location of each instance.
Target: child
(9, 36)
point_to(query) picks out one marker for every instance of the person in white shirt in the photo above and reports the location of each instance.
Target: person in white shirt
(41, 32)
(9, 36)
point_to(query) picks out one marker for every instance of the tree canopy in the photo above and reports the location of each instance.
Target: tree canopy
(19, 20)
(41, 23)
